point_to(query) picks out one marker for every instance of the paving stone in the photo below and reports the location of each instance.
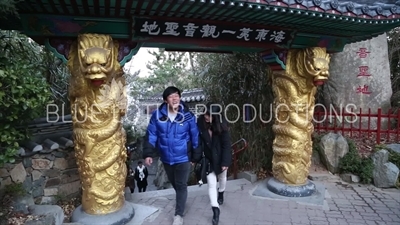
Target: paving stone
(347, 205)
(355, 221)
(394, 218)
(316, 222)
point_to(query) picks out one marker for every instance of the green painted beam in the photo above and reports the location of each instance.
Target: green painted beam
(314, 28)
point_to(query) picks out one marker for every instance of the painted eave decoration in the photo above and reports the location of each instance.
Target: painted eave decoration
(323, 23)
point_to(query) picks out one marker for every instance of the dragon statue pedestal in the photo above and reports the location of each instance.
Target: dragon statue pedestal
(98, 102)
(294, 88)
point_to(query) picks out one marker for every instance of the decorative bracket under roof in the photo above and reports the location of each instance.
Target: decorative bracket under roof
(276, 59)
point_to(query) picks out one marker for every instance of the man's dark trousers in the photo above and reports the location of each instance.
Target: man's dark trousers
(178, 175)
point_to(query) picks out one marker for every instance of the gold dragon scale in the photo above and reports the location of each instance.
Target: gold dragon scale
(294, 91)
(98, 102)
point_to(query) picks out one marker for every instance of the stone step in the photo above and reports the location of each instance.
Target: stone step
(322, 176)
(232, 185)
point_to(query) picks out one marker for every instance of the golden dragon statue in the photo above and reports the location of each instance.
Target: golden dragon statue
(294, 91)
(98, 101)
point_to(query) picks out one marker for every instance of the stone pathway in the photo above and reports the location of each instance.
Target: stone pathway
(345, 204)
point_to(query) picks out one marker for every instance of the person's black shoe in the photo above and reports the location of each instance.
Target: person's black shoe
(220, 198)
(215, 218)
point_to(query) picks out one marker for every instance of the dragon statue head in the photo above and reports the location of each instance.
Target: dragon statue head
(316, 65)
(96, 57)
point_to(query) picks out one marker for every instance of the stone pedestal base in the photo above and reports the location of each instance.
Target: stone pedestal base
(120, 217)
(279, 188)
(316, 199)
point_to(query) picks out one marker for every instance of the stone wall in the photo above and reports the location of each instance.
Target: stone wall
(46, 176)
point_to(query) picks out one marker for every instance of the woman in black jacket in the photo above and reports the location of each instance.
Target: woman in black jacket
(141, 175)
(216, 144)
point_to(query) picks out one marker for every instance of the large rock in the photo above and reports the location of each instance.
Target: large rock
(394, 147)
(70, 188)
(360, 75)
(36, 174)
(54, 211)
(5, 182)
(60, 163)
(4, 172)
(350, 178)
(333, 147)
(42, 220)
(385, 173)
(18, 174)
(40, 164)
(69, 176)
(48, 200)
(50, 191)
(27, 161)
(37, 187)
(22, 202)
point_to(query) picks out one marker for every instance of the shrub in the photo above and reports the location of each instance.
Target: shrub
(353, 163)
(24, 93)
(14, 190)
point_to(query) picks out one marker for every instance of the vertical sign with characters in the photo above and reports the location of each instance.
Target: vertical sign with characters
(363, 72)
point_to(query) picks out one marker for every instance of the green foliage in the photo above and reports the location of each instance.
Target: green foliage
(366, 170)
(135, 125)
(316, 139)
(242, 79)
(353, 163)
(24, 91)
(379, 147)
(7, 7)
(394, 158)
(25, 96)
(7, 195)
(137, 85)
(57, 76)
(135, 130)
(19, 49)
(14, 190)
(169, 69)
(59, 198)
(130, 137)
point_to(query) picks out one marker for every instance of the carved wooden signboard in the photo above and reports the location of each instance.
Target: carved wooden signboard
(202, 30)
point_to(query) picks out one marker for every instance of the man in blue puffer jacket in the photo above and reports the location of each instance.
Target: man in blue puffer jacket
(173, 131)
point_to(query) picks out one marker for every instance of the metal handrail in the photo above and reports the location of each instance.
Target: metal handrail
(236, 143)
(235, 152)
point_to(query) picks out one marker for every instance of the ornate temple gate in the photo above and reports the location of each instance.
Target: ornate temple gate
(96, 38)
